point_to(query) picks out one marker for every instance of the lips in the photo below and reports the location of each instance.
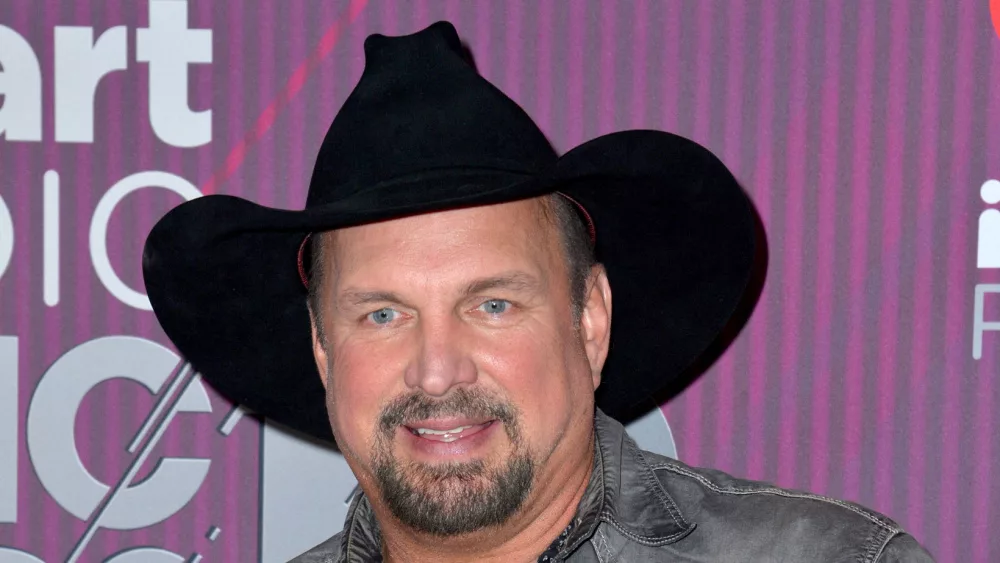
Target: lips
(446, 431)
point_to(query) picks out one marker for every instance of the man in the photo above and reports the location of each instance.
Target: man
(449, 319)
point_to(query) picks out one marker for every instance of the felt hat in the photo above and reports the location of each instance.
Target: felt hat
(423, 132)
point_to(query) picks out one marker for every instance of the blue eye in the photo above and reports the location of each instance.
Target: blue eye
(495, 306)
(383, 316)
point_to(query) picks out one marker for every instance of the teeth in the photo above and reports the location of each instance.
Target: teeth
(456, 430)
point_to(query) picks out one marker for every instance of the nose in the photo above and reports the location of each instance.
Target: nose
(442, 360)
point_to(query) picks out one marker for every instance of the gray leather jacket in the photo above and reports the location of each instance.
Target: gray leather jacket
(641, 507)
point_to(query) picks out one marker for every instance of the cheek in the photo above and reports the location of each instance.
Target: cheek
(543, 374)
(363, 378)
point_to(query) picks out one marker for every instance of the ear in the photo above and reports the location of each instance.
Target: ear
(595, 321)
(319, 349)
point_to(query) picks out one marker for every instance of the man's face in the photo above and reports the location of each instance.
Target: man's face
(458, 380)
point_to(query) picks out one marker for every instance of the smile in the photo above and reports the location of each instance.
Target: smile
(436, 433)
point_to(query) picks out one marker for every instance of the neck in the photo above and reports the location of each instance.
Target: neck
(545, 514)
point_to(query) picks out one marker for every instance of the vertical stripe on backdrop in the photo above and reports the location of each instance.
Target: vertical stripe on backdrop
(24, 260)
(19, 272)
(295, 175)
(791, 260)
(327, 82)
(826, 276)
(75, 174)
(484, 39)
(606, 78)
(574, 85)
(267, 84)
(638, 25)
(725, 400)
(956, 279)
(854, 373)
(348, 72)
(668, 80)
(923, 275)
(420, 14)
(543, 67)
(115, 458)
(513, 39)
(891, 226)
(232, 120)
(762, 179)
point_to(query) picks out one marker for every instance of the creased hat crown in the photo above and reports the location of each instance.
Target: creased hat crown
(418, 109)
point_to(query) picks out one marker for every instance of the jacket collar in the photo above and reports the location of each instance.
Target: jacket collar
(361, 540)
(623, 492)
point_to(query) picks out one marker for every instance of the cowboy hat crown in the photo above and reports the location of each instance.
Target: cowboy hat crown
(421, 110)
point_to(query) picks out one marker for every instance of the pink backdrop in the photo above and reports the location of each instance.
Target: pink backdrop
(862, 131)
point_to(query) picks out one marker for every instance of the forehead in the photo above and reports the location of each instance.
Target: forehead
(505, 233)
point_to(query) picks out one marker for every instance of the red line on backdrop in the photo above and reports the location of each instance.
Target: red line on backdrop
(292, 87)
(995, 14)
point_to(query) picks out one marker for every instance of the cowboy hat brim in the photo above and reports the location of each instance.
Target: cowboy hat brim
(673, 230)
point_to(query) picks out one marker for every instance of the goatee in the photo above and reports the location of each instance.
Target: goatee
(452, 498)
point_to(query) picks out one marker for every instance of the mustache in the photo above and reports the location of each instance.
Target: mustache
(473, 403)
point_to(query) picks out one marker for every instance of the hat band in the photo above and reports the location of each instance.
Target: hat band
(300, 260)
(591, 230)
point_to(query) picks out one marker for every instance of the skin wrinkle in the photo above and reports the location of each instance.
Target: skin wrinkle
(514, 281)
(527, 368)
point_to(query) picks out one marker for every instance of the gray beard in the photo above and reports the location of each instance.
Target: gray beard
(454, 498)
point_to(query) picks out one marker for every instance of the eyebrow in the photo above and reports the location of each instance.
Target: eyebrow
(358, 298)
(514, 281)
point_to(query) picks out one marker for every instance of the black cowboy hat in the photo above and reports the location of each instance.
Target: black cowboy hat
(421, 132)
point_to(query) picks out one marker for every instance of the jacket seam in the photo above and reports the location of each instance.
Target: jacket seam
(600, 548)
(657, 486)
(777, 492)
(599, 466)
(869, 545)
(652, 541)
(350, 535)
(877, 545)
